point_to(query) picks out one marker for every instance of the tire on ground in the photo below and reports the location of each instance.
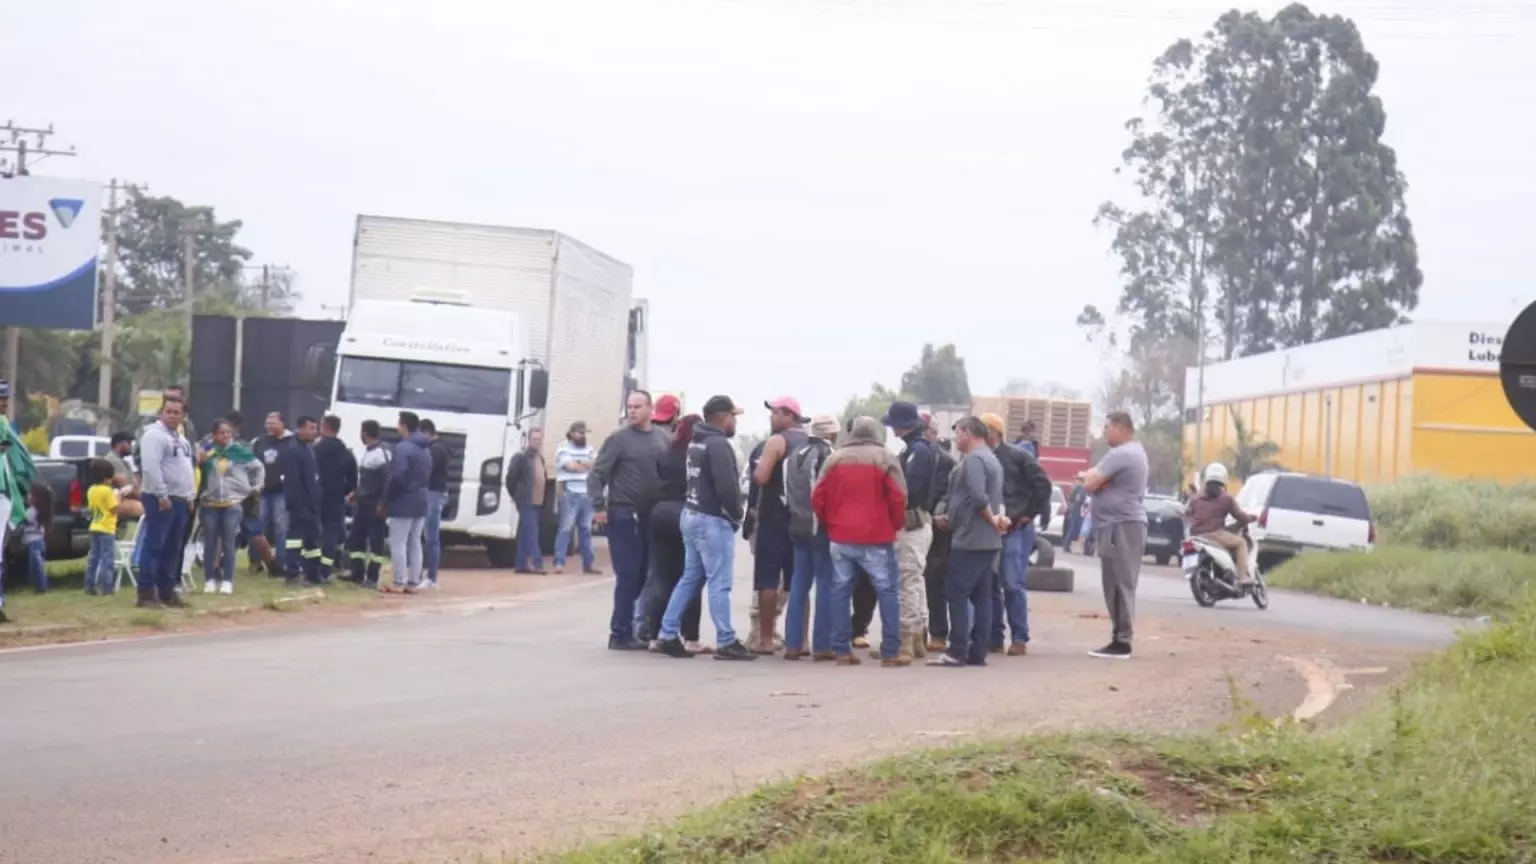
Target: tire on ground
(1050, 579)
(1045, 553)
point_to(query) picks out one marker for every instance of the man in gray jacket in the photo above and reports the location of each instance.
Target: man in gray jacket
(973, 510)
(167, 493)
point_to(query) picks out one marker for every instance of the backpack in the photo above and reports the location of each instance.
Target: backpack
(800, 470)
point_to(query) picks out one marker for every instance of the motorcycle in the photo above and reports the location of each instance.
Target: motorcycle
(1212, 573)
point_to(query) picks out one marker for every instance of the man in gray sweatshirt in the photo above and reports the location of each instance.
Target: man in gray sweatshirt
(624, 484)
(165, 457)
(973, 510)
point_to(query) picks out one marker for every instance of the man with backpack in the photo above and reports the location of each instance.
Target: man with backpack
(813, 551)
(919, 467)
(773, 551)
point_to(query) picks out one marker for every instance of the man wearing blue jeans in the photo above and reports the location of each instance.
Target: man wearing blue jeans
(623, 486)
(437, 499)
(166, 463)
(526, 480)
(573, 461)
(1026, 498)
(711, 514)
(973, 510)
(272, 515)
(862, 499)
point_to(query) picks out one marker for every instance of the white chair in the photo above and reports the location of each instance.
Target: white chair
(191, 557)
(124, 563)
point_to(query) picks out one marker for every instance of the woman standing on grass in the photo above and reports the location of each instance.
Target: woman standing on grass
(231, 474)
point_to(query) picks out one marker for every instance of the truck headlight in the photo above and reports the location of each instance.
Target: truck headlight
(490, 472)
(489, 499)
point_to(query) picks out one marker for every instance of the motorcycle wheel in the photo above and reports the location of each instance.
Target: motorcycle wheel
(1260, 592)
(1203, 595)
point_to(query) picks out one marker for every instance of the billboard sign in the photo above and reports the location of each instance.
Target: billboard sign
(50, 235)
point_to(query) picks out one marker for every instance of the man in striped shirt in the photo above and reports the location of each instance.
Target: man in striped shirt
(573, 461)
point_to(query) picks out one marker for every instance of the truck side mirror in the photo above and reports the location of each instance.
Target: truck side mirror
(538, 388)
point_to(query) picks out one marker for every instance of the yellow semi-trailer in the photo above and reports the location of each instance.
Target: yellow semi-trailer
(1422, 398)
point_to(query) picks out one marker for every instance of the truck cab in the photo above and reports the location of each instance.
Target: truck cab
(456, 366)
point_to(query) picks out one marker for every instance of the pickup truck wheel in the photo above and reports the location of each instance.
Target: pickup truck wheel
(1163, 559)
(501, 553)
(1058, 579)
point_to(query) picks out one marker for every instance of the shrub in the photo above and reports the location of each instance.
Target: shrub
(1453, 582)
(1436, 513)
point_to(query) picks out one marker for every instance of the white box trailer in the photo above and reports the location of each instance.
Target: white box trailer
(453, 320)
(573, 300)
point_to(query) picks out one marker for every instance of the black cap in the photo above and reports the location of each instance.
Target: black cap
(720, 405)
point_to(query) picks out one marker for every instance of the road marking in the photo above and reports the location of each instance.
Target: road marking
(1325, 682)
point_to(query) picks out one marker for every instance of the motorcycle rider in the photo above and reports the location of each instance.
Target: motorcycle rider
(1208, 513)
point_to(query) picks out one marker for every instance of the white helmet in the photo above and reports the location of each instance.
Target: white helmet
(1216, 473)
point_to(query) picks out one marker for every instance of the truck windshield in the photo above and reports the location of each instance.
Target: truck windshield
(424, 386)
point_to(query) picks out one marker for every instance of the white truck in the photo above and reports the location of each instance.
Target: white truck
(490, 332)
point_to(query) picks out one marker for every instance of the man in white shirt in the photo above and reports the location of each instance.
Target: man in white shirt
(573, 461)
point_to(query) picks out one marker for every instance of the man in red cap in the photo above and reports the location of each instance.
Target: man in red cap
(773, 549)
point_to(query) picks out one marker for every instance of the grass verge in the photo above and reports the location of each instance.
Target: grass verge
(1441, 772)
(1440, 513)
(1486, 582)
(76, 616)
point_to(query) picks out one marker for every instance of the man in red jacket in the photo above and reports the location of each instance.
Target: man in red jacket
(861, 498)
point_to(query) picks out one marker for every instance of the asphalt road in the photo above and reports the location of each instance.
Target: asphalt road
(500, 726)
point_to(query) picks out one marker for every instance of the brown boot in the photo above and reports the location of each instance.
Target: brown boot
(919, 646)
(897, 662)
(823, 657)
(848, 660)
(937, 645)
(1018, 649)
(767, 613)
(905, 651)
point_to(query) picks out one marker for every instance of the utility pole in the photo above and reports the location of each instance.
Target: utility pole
(189, 231)
(109, 303)
(13, 138)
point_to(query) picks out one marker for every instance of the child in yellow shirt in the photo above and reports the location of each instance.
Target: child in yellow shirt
(101, 498)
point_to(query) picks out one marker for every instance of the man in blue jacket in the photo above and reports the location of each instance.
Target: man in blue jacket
(301, 495)
(405, 504)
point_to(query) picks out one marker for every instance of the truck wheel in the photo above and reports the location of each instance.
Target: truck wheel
(501, 553)
(1058, 579)
(1163, 559)
(1045, 553)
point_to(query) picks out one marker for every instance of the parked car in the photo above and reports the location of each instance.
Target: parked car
(1300, 512)
(1165, 527)
(1052, 533)
(69, 535)
(78, 446)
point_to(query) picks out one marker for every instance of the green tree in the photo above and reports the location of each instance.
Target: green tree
(874, 404)
(1273, 213)
(938, 378)
(1249, 455)
(150, 255)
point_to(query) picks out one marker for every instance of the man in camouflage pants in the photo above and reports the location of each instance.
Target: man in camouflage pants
(918, 466)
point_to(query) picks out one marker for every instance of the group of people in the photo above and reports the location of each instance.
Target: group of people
(939, 546)
(285, 494)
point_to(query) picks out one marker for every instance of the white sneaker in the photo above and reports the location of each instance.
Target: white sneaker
(226, 587)
(211, 586)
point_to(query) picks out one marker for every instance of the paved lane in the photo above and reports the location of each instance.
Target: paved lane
(469, 729)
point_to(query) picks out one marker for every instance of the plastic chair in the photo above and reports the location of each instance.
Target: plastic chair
(123, 564)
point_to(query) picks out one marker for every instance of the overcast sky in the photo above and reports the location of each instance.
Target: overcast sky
(807, 191)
